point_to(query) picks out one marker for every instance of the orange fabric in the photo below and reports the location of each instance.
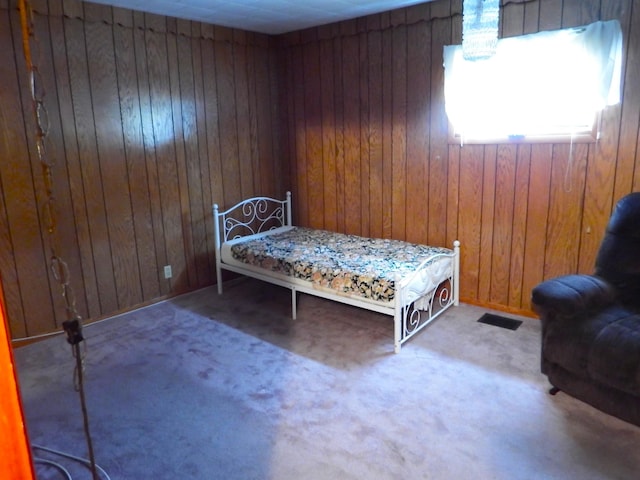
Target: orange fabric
(15, 461)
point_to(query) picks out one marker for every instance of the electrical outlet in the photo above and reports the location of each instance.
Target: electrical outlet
(167, 271)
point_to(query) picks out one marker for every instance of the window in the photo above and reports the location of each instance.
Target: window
(543, 86)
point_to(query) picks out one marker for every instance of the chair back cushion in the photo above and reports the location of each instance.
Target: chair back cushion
(618, 260)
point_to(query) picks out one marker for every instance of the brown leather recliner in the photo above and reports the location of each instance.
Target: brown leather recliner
(591, 323)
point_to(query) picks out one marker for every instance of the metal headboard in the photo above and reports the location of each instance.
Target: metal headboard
(251, 216)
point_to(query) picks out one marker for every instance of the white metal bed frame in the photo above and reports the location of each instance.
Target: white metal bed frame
(412, 309)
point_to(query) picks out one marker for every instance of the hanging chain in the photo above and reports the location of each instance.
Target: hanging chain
(59, 268)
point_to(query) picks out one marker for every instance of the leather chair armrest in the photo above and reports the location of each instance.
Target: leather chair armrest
(571, 295)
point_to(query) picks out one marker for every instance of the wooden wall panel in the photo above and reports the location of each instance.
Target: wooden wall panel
(92, 186)
(629, 127)
(252, 111)
(179, 102)
(211, 125)
(241, 87)
(24, 206)
(351, 128)
(199, 171)
(264, 157)
(538, 200)
(503, 224)
(453, 165)
(163, 137)
(150, 159)
(326, 125)
(338, 112)
(302, 177)
(153, 119)
(112, 167)
(522, 212)
(601, 172)
(228, 116)
(313, 117)
(289, 122)
(85, 285)
(11, 144)
(129, 99)
(399, 101)
(387, 126)
(365, 146)
(67, 239)
(518, 158)
(568, 167)
(468, 216)
(375, 132)
(487, 215)
(210, 128)
(157, 118)
(519, 233)
(438, 155)
(419, 60)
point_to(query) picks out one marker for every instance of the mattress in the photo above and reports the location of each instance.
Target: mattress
(366, 268)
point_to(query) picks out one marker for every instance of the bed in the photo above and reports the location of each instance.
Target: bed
(412, 283)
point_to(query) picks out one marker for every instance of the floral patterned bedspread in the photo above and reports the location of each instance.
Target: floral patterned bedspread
(366, 267)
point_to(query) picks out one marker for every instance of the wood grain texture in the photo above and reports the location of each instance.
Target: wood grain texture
(243, 113)
(521, 212)
(488, 226)
(156, 118)
(313, 115)
(300, 136)
(468, 216)
(418, 120)
(150, 158)
(503, 221)
(512, 24)
(351, 128)
(375, 132)
(338, 112)
(399, 99)
(129, 98)
(387, 127)
(144, 114)
(365, 146)
(438, 154)
(327, 125)
(204, 245)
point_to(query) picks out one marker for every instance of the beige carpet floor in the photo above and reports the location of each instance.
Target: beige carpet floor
(229, 387)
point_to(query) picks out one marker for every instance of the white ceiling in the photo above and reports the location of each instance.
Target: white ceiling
(265, 16)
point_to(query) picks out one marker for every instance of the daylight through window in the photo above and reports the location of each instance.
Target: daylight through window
(539, 86)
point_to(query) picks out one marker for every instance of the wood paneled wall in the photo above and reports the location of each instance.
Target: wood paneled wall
(152, 120)
(368, 142)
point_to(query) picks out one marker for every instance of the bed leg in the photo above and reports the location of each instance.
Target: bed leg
(294, 312)
(397, 325)
(456, 273)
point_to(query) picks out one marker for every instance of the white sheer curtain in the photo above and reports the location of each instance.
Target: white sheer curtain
(540, 84)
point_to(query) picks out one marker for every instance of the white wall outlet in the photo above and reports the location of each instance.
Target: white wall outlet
(167, 271)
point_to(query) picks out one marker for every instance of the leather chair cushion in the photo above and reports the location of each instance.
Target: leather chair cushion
(614, 359)
(618, 259)
(572, 295)
(604, 349)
